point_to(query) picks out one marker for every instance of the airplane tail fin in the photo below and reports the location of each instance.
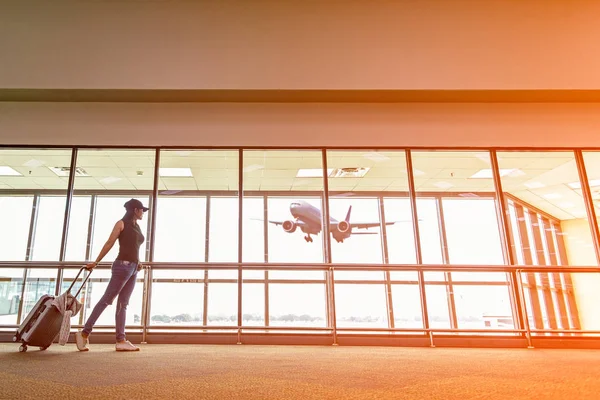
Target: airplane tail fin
(348, 214)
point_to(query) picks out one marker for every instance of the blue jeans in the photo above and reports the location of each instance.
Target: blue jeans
(122, 282)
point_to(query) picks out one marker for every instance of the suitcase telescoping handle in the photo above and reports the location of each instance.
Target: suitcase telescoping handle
(82, 284)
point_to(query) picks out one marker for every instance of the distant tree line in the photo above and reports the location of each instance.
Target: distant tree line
(179, 318)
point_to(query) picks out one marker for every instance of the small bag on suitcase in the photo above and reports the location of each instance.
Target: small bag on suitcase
(43, 323)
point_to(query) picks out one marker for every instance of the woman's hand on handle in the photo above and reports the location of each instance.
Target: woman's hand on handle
(91, 266)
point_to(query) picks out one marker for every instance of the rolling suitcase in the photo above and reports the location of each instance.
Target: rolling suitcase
(42, 324)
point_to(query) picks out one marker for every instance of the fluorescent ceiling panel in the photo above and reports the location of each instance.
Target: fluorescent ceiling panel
(358, 172)
(64, 171)
(487, 173)
(8, 171)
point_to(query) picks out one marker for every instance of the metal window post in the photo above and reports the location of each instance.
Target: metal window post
(386, 260)
(330, 279)
(148, 272)
(505, 239)
(589, 202)
(418, 254)
(29, 254)
(206, 258)
(65, 231)
(240, 238)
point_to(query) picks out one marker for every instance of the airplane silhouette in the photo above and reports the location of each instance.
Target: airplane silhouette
(309, 219)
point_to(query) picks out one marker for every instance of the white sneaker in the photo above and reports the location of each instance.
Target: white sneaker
(82, 343)
(126, 346)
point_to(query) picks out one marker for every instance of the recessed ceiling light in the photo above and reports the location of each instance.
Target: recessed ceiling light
(487, 173)
(534, 185)
(175, 172)
(312, 173)
(64, 171)
(8, 171)
(358, 172)
(592, 183)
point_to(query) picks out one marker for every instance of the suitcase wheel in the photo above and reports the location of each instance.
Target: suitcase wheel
(44, 348)
(15, 338)
(22, 348)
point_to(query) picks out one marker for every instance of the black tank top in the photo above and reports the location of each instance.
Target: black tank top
(130, 240)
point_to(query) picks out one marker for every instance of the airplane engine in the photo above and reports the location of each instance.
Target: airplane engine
(343, 227)
(289, 226)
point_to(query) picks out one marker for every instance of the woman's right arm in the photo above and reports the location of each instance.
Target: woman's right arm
(114, 235)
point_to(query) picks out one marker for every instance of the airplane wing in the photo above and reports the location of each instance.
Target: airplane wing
(277, 223)
(367, 225)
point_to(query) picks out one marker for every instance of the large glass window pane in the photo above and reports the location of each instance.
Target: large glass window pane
(400, 238)
(11, 284)
(253, 306)
(463, 184)
(437, 306)
(77, 242)
(546, 185)
(551, 228)
(361, 306)
(15, 213)
(180, 229)
(208, 181)
(114, 177)
(223, 235)
(431, 237)
(592, 167)
(222, 304)
(48, 228)
(23, 174)
(292, 183)
(407, 306)
(358, 182)
(254, 226)
(177, 297)
(483, 307)
(297, 305)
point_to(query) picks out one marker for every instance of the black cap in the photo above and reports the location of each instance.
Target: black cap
(135, 203)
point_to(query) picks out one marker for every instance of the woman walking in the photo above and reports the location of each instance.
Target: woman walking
(124, 273)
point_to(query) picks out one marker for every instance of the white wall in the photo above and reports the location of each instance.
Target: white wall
(290, 44)
(295, 125)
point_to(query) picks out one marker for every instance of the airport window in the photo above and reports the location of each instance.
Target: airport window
(15, 212)
(551, 223)
(459, 221)
(361, 306)
(11, 285)
(407, 311)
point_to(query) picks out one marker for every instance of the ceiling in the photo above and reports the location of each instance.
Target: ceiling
(539, 178)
